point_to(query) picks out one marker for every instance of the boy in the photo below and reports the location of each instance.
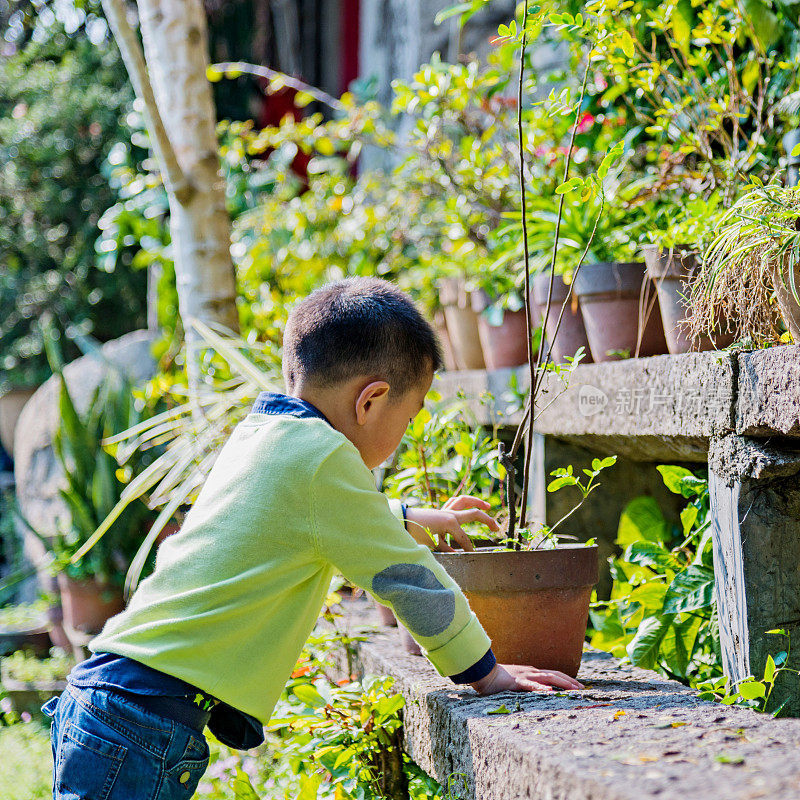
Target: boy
(211, 637)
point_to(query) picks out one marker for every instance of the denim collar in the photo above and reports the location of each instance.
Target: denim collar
(282, 404)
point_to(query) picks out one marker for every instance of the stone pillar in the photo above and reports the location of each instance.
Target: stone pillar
(755, 504)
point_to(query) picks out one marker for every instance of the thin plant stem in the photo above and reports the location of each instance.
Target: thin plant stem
(512, 502)
(536, 371)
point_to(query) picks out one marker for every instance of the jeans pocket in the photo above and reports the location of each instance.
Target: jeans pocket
(88, 765)
(181, 781)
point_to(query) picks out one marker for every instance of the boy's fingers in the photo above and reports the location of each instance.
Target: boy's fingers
(460, 536)
(443, 547)
(464, 501)
(525, 685)
(475, 515)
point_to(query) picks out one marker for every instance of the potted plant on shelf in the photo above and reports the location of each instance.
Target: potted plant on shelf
(751, 270)
(673, 261)
(29, 681)
(91, 586)
(24, 627)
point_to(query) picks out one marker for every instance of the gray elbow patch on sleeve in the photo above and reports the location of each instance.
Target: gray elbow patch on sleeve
(423, 604)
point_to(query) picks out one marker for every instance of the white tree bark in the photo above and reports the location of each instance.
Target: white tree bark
(182, 123)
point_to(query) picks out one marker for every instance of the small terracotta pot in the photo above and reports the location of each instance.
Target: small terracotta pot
(571, 332)
(609, 297)
(788, 305)
(385, 614)
(87, 605)
(462, 323)
(533, 604)
(673, 270)
(11, 405)
(503, 345)
(440, 326)
(409, 644)
(35, 639)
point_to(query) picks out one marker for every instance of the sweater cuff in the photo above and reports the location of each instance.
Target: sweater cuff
(462, 651)
(480, 669)
(398, 510)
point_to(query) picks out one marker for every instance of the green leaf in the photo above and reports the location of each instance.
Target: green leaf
(651, 554)
(601, 464)
(569, 186)
(560, 483)
(673, 477)
(499, 710)
(690, 590)
(642, 520)
(643, 649)
(769, 670)
(796, 150)
(309, 695)
(767, 27)
(688, 518)
(752, 690)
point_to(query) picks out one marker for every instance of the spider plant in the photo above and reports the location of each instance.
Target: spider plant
(751, 270)
(191, 434)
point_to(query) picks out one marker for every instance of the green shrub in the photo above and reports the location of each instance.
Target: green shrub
(63, 99)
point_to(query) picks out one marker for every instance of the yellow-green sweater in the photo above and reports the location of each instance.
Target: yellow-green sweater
(236, 592)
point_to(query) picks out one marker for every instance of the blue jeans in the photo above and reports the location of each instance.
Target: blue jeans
(105, 747)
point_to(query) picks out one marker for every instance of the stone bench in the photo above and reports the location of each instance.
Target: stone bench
(737, 412)
(630, 735)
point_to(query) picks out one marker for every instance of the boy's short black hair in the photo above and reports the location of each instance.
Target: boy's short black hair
(359, 326)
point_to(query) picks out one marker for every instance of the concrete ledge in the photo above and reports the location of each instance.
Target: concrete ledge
(769, 392)
(630, 735)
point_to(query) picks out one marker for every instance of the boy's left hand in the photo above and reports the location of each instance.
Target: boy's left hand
(448, 521)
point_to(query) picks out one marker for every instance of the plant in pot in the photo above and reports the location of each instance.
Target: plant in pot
(544, 586)
(751, 270)
(29, 681)
(91, 586)
(24, 627)
(683, 230)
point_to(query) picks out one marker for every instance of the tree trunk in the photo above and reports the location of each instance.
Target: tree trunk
(182, 122)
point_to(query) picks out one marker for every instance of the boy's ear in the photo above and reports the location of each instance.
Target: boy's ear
(377, 391)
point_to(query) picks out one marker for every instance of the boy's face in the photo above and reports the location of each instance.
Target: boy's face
(386, 423)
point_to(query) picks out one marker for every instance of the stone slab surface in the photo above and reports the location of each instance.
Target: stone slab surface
(630, 735)
(769, 392)
(647, 409)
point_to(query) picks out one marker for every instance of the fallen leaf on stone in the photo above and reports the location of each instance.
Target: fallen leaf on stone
(618, 714)
(499, 710)
(722, 758)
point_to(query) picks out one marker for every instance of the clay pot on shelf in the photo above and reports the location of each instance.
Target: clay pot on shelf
(462, 323)
(11, 405)
(87, 604)
(503, 345)
(572, 332)
(385, 614)
(440, 326)
(533, 604)
(787, 303)
(34, 638)
(672, 270)
(28, 696)
(609, 295)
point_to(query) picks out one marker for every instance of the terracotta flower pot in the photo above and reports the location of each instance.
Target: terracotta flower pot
(35, 639)
(503, 345)
(87, 605)
(672, 270)
(534, 604)
(609, 295)
(462, 323)
(788, 305)
(440, 326)
(572, 332)
(385, 614)
(11, 405)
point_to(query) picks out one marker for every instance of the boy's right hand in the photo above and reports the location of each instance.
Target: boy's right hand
(518, 678)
